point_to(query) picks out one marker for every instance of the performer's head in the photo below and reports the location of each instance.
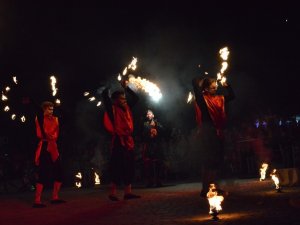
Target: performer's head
(119, 98)
(209, 85)
(149, 115)
(48, 108)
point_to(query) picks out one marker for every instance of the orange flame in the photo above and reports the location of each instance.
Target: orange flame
(263, 171)
(151, 88)
(214, 199)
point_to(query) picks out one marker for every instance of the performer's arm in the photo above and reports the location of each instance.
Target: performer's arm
(200, 100)
(133, 97)
(230, 94)
(107, 103)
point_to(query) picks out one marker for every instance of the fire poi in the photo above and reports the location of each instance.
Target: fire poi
(224, 53)
(141, 83)
(214, 201)
(263, 171)
(276, 180)
(6, 100)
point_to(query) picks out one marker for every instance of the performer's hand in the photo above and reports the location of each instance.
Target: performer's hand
(124, 83)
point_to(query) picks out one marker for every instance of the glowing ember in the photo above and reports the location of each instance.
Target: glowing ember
(214, 199)
(124, 71)
(57, 101)
(15, 80)
(4, 97)
(147, 86)
(190, 97)
(119, 77)
(78, 180)
(6, 108)
(91, 99)
(263, 171)
(23, 119)
(53, 85)
(97, 178)
(275, 179)
(224, 53)
(13, 116)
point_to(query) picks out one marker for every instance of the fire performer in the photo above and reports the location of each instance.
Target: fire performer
(151, 153)
(211, 118)
(118, 121)
(47, 157)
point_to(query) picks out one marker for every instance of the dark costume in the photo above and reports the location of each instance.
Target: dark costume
(152, 153)
(119, 123)
(211, 119)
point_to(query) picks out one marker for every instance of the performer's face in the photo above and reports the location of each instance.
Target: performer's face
(212, 89)
(150, 115)
(121, 101)
(48, 111)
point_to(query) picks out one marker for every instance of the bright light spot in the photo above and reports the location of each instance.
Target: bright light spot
(13, 116)
(15, 80)
(86, 93)
(6, 108)
(99, 103)
(23, 119)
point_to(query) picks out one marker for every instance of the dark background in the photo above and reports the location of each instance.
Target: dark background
(85, 45)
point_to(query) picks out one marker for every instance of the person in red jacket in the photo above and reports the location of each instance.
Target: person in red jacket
(211, 120)
(118, 121)
(47, 159)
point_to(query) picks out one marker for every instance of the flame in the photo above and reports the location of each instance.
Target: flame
(6, 108)
(214, 199)
(190, 97)
(224, 53)
(133, 63)
(263, 171)
(13, 116)
(119, 77)
(92, 99)
(23, 119)
(53, 87)
(97, 178)
(131, 66)
(4, 97)
(79, 178)
(275, 179)
(15, 80)
(147, 86)
(57, 101)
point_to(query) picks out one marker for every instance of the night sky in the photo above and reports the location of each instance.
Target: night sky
(85, 45)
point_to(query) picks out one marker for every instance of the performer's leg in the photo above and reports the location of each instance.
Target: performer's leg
(38, 193)
(57, 172)
(129, 175)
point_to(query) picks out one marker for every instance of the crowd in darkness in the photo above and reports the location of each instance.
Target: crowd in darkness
(249, 143)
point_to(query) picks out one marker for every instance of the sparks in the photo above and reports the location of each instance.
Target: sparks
(190, 97)
(149, 87)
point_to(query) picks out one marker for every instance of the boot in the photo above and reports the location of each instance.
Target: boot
(113, 192)
(56, 189)
(38, 193)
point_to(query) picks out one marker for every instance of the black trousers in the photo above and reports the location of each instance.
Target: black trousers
(121, 165)
(47, 170)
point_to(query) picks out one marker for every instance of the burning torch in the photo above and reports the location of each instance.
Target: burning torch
(214, 201)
